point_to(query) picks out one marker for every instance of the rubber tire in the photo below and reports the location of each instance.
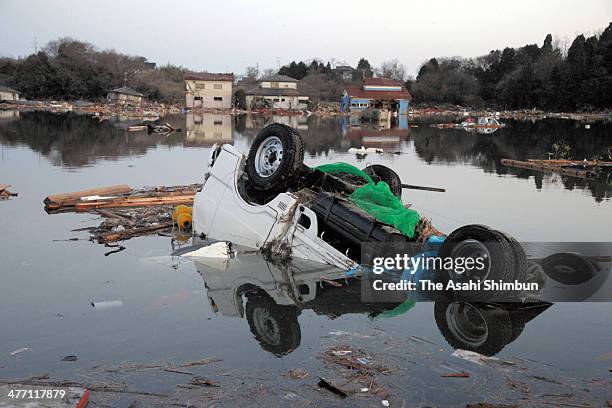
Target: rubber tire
(285, 319)
(502, 256)
(520, 258)
(584, 269)
(498, 323)
(378, 172)
(290, 166)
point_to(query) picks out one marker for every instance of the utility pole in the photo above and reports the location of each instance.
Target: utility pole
(35, 45)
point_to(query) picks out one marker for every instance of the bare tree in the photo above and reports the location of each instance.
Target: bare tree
(393, 69)
(252, 72)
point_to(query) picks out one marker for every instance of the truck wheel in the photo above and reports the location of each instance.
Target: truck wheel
(379, 172)
(275, 158)
(473, 326)
(520, 258)
(478, 241)
(568, 268)
(275, 327)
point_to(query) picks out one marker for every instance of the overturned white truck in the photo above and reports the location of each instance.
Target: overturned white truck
(270, 200)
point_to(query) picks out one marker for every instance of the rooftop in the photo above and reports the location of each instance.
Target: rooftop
(381, 82)
(208, 76)
(359, 92)
(126, 91)
(278, 78)
(7, 89)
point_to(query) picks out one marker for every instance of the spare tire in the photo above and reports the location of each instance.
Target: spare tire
(568, 268)
(379, 172)
(275, 159)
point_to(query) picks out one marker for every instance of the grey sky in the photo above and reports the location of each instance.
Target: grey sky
(232, 34)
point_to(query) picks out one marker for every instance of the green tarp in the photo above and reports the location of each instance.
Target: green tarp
(377, 200)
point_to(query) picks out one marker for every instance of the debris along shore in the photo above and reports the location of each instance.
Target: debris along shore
(127, 212)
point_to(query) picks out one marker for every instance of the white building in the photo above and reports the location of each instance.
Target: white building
(276, 92)
(208, 90)
(8, 94)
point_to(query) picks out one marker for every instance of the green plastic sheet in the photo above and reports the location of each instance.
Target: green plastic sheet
(377, 200)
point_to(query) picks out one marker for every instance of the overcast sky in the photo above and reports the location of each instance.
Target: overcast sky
(229, 35)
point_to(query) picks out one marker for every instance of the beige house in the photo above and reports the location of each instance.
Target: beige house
(124, 96)
(8, 94)
(276, 92)
(208, 90)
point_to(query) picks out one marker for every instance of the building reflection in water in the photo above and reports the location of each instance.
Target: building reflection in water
(206, 129)
(380, 135)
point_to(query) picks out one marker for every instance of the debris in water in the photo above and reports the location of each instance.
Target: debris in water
(135, 212)
(204, 361)
(204, 381)
(479, 359)
(107, 304)
(385, 403)
(70, 358)
(5, 194)
(19, 351)
(297, 373)
(323, 383)
(462, 374)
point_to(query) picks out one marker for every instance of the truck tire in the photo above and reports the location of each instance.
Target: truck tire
(479, 241)
(275, 327)
(379, 172)
(474, 327)
(569, 269)
(275, 159)
(520, 258)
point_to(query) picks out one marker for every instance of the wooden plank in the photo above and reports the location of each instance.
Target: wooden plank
(547, 168)
(101, 191)
(4, 186)
(136, 202)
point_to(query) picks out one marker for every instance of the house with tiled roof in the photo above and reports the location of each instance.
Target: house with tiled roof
(376, 93)
(208, 90)
(276, 92)
(124, 96)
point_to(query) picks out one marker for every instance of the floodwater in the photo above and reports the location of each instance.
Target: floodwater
(172, 311)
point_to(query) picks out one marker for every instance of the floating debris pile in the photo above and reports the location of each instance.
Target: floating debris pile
(127, 212)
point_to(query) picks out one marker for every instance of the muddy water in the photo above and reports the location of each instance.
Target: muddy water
(173, 311)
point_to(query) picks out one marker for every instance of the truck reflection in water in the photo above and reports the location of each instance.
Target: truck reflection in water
(272, 296)
(485, 328)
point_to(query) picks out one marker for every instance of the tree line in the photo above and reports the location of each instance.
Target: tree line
(531, 76)
(70, 69)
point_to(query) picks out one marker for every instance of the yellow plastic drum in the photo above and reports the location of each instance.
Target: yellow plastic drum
(183, 221)
(181, 209)
(182, 216)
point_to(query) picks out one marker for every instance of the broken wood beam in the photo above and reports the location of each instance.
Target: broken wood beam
(57, 201)
(132, 232)
(547, 168)
(135, 202)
